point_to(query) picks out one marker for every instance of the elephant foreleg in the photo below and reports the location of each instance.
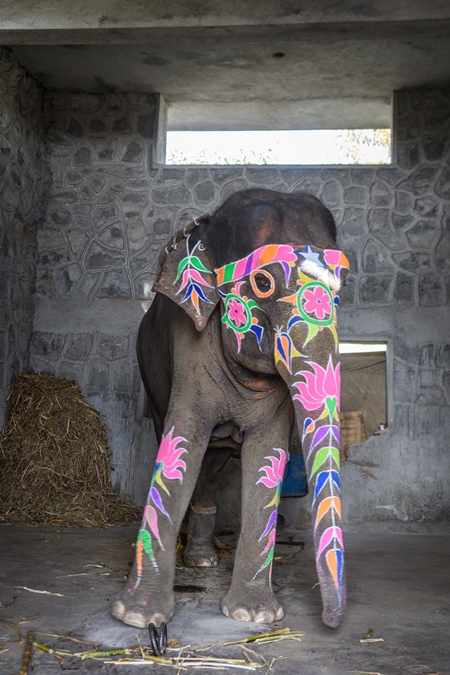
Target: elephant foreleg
(200, 548)
(147, 596)
(251, 597)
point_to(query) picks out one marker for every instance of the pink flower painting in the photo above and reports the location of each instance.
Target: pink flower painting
(320, 389)
(273, 479)
(236, 313)
(168, 462)
(169, 465)
(318, 302)
(274, 474)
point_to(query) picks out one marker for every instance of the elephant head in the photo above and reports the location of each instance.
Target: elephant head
(270, 262)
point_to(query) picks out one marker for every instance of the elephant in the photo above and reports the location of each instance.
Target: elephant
(239, 350)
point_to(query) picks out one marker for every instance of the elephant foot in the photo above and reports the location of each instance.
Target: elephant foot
(143, 605)
(200, 549)
(134, 609)
(258, 605)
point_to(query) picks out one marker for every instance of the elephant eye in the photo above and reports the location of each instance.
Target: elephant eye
(262, 283)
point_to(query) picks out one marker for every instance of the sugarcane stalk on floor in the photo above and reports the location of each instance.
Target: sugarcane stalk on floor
(27, 653)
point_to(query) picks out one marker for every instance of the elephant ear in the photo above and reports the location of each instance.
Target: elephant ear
(187, 277)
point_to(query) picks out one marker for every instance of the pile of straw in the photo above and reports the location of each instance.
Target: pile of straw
(54, 467)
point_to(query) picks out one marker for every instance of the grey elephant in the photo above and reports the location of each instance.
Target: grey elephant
(240, 350)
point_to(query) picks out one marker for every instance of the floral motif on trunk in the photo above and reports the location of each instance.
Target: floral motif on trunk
(168, 465)
(314, 304)
(319, 392)
(316, 300)
(273, 479)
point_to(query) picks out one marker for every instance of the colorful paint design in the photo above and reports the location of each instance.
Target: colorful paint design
(238, 314)
(319, 392)
(285, 350)
(265, 255)
(190, 272)
(168, 465)
(314, 303)
(313, 297)
(273, 479)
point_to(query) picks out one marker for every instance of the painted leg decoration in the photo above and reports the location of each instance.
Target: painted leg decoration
(250, 597)
(148, 594)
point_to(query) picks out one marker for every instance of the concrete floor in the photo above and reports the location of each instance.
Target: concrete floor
(397, 584)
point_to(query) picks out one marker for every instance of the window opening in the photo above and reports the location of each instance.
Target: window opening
(288, 147)
(363, 392)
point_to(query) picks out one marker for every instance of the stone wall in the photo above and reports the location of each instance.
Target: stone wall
(20, 188)
(400, 477)
(99, 243)
(108, 210)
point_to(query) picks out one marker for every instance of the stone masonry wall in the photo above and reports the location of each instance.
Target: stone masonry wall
(20, 188)
(109, 211)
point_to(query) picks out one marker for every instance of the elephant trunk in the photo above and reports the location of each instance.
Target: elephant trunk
(315, 390)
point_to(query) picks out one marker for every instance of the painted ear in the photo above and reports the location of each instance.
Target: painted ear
(186, 276)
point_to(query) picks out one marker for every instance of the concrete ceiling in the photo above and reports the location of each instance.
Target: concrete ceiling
(248, 64)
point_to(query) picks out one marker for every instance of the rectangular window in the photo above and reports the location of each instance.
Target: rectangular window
(298, 147)
(363, 391)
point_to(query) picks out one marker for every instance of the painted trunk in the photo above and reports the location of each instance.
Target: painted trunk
(307, 357)
(316, 389)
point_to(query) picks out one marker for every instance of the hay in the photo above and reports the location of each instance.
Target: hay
(54, 467)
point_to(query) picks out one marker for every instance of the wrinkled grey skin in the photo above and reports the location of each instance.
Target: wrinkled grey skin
(217, 398)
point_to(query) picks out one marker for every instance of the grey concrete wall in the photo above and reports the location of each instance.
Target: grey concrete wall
(400, 478)
(97, 248)
(20, 187)
(108, 209)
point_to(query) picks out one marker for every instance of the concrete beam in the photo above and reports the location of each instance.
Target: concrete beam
(113, 15)
(17, 29)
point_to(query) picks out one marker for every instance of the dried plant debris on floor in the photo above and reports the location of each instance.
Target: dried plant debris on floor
(180, 658)
(54, 464)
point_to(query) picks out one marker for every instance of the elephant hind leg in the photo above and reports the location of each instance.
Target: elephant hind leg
(200, 549)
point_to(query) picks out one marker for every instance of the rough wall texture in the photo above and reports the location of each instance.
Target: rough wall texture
(401, 475)
(20, 188)
(108, 211)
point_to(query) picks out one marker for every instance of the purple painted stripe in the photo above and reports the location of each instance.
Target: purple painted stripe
(249, 263)
(319, 436)
(287, 271)
(156, 497)
(270, 523)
